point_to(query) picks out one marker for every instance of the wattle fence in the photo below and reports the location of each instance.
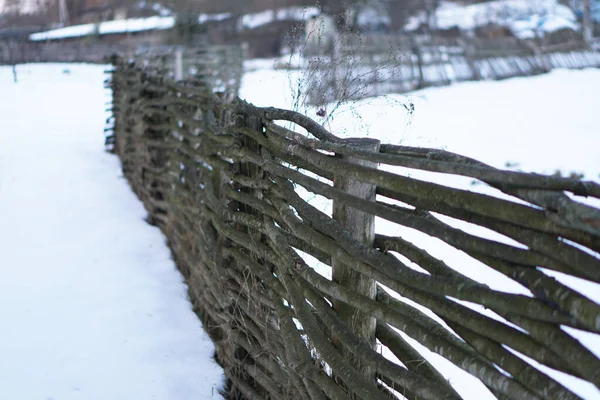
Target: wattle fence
(182, 61)
(21, 52)
(360, 66)
(222, 179)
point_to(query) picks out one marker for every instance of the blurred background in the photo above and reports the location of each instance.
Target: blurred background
(270, 27)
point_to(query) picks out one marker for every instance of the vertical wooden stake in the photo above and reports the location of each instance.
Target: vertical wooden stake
(362, 227)
(416, 49)
(178, 64)
(588, 25)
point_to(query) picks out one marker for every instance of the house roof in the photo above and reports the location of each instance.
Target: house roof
(251, 21)
(108, 27)
(248, 21)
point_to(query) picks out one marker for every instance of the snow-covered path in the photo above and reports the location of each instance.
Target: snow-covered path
(91, 305)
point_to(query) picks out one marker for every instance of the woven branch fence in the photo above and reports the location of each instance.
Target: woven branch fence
(23, 51)
(220, 177)
(371, 65)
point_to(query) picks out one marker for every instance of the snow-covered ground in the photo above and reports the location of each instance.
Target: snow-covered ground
(536, 124)
(91, 304)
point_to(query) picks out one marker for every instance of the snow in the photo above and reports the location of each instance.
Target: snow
(538, 26)
(297, 13)
(524, 18)
(136, 25)
(162, 10)
(117, 26)
(157, 7)
(66, 32)
(251, 21)
(248, 21)
(130, 25)
(91, 304)
(213, 17)
(554, 23)
(540, 124)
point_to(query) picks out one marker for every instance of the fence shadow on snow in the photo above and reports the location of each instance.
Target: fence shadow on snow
(219, 177)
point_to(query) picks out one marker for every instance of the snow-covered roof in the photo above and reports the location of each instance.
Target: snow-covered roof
(248, 21)
(66, 32)
(537, 26)
(108, 27)
(523, 17)
(136, 25)
(213, 17)
(251, 21)
(554, 23)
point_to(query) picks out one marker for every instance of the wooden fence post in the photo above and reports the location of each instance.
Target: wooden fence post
(416, 50)
(588, 25)
(469, 53)
(362, 227)
(178, 64)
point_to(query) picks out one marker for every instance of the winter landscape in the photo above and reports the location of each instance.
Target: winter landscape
(97, 302)
(96, 309)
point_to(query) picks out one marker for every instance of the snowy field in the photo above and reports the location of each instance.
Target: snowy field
(91, 305)
(90, 302)
(543, 124)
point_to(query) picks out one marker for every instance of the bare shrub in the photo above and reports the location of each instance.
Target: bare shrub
(330, 69)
